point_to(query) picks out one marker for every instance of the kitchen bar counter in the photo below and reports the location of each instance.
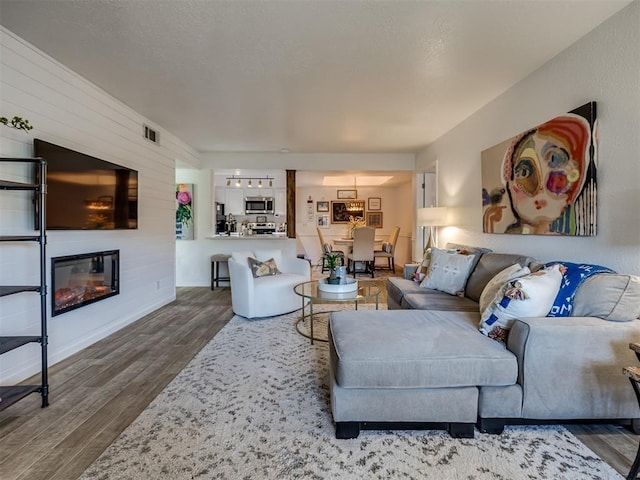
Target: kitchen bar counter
(249, 237)
(227, 244)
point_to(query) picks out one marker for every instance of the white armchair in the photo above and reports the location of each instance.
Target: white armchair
(269, 295)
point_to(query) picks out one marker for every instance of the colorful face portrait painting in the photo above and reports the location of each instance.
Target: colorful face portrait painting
(543, 181)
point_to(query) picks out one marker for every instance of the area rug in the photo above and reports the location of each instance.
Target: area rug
(254, 404)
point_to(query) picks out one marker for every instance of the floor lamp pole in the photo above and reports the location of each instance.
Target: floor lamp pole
(429, 243)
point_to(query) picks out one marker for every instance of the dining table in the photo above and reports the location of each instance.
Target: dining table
(349, 241)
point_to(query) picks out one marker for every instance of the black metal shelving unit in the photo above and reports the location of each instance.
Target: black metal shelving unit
(12, 394)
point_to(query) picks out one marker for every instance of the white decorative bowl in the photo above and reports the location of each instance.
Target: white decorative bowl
(350, 286)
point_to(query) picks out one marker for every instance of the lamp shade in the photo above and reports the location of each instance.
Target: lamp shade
(432, 216)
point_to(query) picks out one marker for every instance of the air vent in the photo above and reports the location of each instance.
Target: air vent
(151, 135)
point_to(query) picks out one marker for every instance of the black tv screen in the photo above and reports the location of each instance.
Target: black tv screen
(86, 193)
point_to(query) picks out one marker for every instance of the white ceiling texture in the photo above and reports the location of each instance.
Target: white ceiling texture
(304, 75)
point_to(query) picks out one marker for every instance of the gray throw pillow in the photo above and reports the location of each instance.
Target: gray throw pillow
(448, 271)
(609, 296)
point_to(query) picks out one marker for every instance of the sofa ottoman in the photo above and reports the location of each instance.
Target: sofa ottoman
(426, 369)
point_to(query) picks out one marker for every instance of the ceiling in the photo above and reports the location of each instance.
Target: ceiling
(307, 76)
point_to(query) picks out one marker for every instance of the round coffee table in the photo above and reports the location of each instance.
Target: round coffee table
(310, 291)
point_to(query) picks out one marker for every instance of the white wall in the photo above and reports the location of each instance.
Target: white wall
(193, 257)
(66, 109)
(603, 66)
(396, 210)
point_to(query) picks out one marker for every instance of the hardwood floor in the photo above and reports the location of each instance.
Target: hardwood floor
(98, 392)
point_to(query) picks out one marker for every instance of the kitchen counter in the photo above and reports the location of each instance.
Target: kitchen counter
(227, 245)
(249, 237)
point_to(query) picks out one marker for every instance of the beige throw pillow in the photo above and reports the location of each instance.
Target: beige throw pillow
(263, 269)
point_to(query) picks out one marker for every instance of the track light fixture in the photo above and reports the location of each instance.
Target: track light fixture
(250, 180)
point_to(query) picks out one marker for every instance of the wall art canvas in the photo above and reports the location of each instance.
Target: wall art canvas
(184, 211)
(543, 181)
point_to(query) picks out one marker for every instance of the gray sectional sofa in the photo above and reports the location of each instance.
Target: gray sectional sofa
(424, 364)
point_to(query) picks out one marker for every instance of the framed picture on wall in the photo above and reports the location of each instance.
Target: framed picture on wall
(374, 219)
(375, 203)
(340, 214)
(347, 194)
(322, 206)
(322, 221)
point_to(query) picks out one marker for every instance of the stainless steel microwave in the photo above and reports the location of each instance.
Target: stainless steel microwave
(259, 205)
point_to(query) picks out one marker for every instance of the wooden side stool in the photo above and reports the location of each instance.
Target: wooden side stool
(216, 260)
(634, 377)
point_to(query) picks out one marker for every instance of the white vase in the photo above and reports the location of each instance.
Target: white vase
(341, 272)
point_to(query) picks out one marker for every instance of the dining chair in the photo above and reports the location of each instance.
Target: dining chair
(363, 240)
(327, 248)
(388, 250)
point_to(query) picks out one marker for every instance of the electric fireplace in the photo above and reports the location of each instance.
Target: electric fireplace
(78, 280)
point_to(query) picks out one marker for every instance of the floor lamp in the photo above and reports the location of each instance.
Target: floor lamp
(432, 217)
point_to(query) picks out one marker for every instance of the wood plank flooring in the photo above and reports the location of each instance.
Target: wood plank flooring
(98, 392)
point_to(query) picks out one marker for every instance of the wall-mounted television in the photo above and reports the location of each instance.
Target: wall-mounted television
(86, 193)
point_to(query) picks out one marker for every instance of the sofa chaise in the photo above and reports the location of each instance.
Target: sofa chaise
(424, 364)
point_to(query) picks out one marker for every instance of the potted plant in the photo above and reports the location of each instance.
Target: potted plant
(332, 263)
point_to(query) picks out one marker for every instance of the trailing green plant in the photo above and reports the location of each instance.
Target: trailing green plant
(18, 123)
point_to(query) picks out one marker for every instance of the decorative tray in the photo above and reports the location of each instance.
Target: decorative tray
(350, 286)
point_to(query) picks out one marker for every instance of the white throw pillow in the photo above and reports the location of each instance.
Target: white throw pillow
(496, 283)
(529, 296)
(448, 271)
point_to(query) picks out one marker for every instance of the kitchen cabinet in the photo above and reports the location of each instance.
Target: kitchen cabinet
(281, 201)
(258, 192)
(234, 201)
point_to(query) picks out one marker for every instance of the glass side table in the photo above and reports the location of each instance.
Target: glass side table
(310, 291)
